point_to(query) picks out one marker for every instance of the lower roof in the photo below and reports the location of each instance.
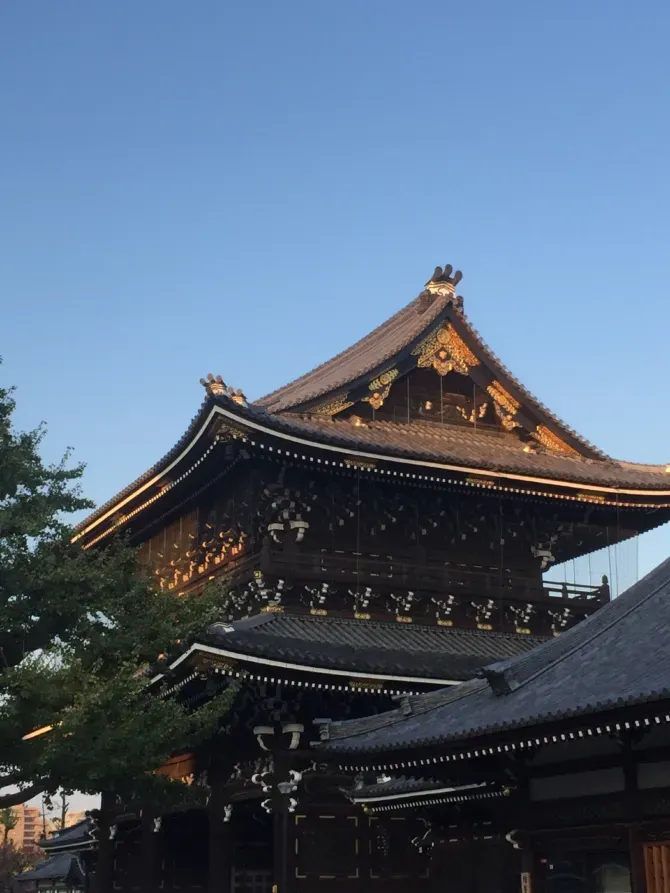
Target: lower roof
(619, 656)
(63, 867)
(381, 649)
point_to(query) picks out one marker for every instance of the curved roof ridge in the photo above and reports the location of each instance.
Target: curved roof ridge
(183, 441)
(370, 351)
(496, 361)
(644, 466)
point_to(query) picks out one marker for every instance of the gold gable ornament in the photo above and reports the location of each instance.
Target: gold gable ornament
(445, 351)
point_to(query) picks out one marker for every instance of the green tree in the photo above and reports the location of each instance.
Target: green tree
(9, 820)
(76, 627)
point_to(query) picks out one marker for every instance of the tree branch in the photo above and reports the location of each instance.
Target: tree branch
(19, 797)
(12, 778)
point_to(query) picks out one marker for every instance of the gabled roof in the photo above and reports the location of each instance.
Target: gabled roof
(381, 346)
(361, 649)
(64, 868)
(307, 414)
(618, 656)
(435, 319)
(75, 837)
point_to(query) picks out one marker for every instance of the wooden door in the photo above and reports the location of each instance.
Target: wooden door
(657, 867)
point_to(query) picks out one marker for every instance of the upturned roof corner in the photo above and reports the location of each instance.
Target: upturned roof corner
(216, 387)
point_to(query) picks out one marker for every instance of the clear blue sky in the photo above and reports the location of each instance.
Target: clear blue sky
(247, 187)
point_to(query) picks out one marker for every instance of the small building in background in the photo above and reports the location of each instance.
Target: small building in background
(62, 873)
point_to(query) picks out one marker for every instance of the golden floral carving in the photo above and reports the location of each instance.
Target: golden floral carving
(552, 442)
(376, 400)
(333, 406)
(506, 420)
(384, 379)
(477, 413)
(381, 388)
(502, 397)
(445, 351)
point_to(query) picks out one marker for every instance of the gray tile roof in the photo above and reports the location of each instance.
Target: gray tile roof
(366, 355)
(76, 836)
(618, 656)
(394, 787)
(62, 867)
(378, 647)
(417, 440)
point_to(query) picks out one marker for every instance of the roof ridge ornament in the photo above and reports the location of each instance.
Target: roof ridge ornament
(216, 387)
(443, 283)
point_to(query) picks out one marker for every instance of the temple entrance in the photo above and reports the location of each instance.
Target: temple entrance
(251, 870)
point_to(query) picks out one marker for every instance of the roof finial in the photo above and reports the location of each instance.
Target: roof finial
(442, 282)
(445, 276)
(216, 387)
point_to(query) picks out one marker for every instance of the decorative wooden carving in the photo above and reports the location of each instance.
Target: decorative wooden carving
(332, 407)
(503, 398)
(216, 387)
(552, 442)
(445, 351)
(381, 388)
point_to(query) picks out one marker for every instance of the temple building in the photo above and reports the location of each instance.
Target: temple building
(386, 526)
(551, 769)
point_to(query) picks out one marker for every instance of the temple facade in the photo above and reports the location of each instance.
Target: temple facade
(386, 527)
(549, 772)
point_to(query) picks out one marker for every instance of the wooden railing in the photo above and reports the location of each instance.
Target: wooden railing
(431, 576)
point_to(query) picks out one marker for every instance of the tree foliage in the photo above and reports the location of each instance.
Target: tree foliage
(12, 862)
(76, 626)
(8, 821)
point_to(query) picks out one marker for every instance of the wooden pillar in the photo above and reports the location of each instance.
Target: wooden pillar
(283, 880)
(636, 855)
(528, 873)
(104, 869)
(151, 841)
(220, 841)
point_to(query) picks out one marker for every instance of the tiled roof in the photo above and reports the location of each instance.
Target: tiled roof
(391, 339)
(76, 836)
(495, 451)
(498, 367)
(63, 867)
(618, 656)
(364, 356)
(419, 441)
(393, 787)
(457, 445)
(376, 647)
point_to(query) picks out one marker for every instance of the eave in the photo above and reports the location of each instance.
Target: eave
(606, 674)
(304, 416)
(340, 654)
(341, 446)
